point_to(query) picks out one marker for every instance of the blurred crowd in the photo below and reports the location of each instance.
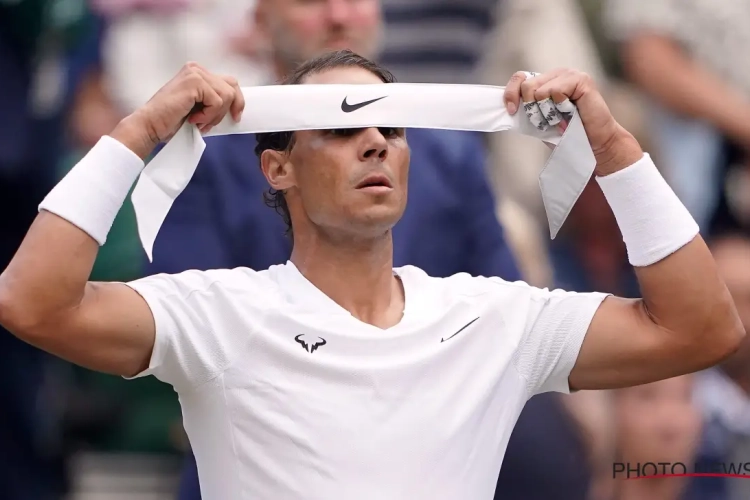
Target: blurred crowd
(673, 72)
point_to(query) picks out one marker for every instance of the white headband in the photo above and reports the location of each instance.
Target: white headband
(278, 108)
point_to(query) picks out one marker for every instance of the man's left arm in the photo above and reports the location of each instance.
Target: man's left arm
(488, 252)
(686, 320)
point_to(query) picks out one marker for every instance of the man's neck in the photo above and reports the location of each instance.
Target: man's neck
(357, 275)
(651, 489)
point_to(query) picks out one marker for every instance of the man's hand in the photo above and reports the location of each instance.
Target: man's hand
(195, 94)
(613, 147)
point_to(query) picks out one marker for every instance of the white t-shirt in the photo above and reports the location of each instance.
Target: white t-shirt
(285, 395)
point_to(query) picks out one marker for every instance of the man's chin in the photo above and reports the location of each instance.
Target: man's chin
(377, 219)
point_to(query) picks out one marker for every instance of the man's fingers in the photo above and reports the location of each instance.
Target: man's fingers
(214, 109)
(554, 98)
(566, 106)
(211, 102)
(512, 94)
(238, 102)
(549, 111)
(530, 106)
(537, 115)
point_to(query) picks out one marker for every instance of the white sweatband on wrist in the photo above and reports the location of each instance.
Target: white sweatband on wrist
(653, 221)
(92, 193)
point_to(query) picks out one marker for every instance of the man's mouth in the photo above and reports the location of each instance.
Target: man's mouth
(375, 182)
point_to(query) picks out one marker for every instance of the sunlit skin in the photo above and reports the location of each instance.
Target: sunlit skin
(337, 221)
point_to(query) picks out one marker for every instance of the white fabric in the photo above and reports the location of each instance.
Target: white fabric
(92, 193)
(653, 221)
(422, 410)
(303, 107)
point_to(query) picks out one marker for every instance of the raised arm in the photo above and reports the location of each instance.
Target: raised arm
(45, 296)
(686, 320)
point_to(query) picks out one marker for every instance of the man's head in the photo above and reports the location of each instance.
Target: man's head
(299, 30)
(658, 422)
(349, 183)
(732, 255)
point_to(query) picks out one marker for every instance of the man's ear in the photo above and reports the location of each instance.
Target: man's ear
(277, 168)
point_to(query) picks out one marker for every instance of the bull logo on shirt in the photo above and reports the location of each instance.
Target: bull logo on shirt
(307, 344)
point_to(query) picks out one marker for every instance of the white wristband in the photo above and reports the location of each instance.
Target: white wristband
(92, 193)
(653, 221)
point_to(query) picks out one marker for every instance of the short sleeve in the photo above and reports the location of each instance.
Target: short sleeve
(191, 345)
(556, 325)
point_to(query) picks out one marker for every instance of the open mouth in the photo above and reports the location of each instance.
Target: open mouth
(375, 181)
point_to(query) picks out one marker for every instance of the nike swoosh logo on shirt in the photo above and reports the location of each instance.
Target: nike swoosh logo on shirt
(348, 108)
(461, 330)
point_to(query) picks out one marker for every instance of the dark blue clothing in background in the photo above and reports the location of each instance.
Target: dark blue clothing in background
(449, 226)
(31, 144)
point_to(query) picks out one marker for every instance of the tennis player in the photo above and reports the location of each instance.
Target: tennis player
(336, 376)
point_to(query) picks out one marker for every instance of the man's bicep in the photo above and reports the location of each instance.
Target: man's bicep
(556, 324)
(624, 347)
(111, 331)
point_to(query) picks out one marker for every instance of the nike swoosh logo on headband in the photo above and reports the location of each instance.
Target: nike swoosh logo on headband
(348, 108)
(273, 108)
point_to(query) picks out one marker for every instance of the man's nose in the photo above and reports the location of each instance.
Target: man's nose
(339, 11)
(373, 146)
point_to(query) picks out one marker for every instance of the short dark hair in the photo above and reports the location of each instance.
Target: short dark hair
(284, 141)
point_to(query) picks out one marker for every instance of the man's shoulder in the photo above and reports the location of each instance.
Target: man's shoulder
(464, 284)
(210, 283)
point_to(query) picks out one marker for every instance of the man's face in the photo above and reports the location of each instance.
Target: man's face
(347, 183)
(658, 422)
(300, 30)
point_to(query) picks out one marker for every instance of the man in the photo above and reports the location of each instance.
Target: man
(337, 375)
(220, 220)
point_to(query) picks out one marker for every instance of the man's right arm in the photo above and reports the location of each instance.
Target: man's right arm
(46, 300)
(45, 296)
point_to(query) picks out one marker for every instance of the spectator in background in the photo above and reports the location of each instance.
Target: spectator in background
(723, 393)
(220, 219)
(688, 57)
(430, 41)
(148, 41)
(35, 40)
(656, 423)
